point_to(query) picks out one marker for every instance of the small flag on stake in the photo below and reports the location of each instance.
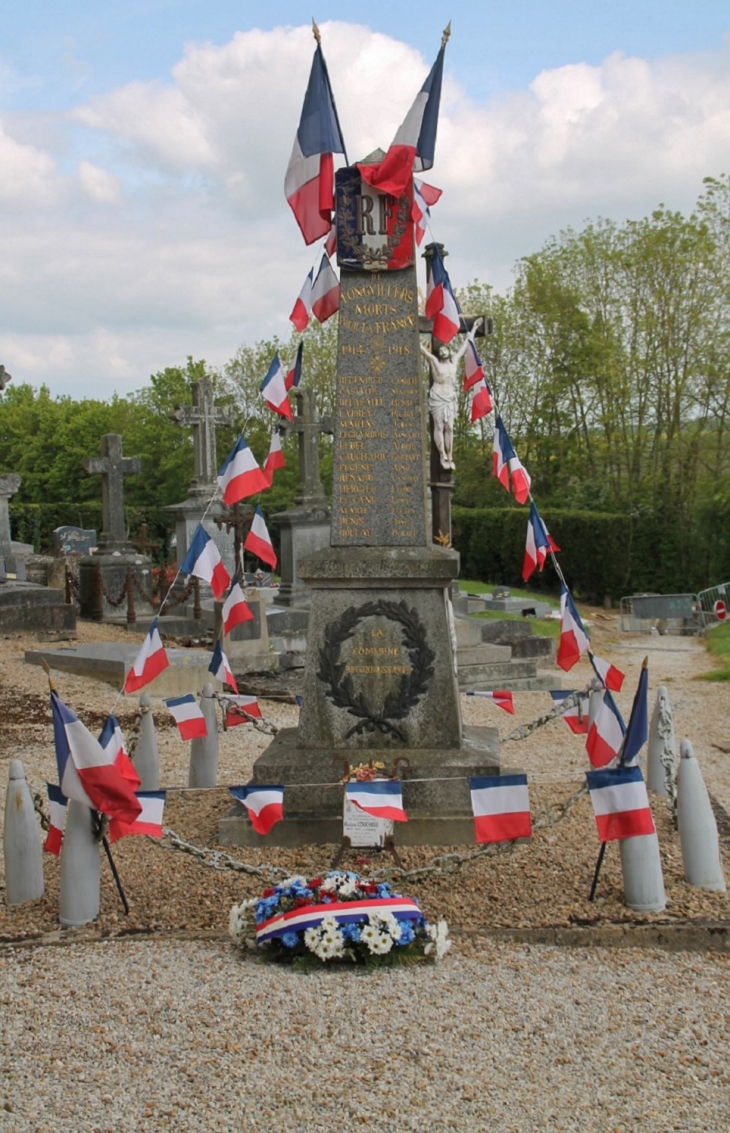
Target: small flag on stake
(111, 740)
(381, 798)
(637, 731)
(576, 717)
(236, 609)
(606, 733)
(204, 561)
(149, 821)
(265, 805)
(220, 668)
(620, 803)
(57, 806)
(501, 698)
(188, 716)
(501, 807)
(258, 540)
(149, 662)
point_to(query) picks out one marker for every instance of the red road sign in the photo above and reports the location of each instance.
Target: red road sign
(720, 610)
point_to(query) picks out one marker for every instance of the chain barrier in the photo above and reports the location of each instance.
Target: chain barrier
(103, 587)
(151, 600)
(522, 731)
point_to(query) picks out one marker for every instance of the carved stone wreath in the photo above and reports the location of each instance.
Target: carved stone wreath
(412, 686)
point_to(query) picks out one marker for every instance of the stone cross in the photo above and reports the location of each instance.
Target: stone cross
(203, 417)
(309, 427)
(9, 484)
(112, 467)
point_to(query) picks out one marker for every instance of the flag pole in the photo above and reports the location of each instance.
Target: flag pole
(115, 873)
(599, 863)
(318, 36)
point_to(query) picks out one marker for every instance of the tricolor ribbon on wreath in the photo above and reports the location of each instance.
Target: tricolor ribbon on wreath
(344, 912)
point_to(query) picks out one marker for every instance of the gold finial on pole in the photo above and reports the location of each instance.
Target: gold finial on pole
(47, 670)
(315, 31)
(447, 33)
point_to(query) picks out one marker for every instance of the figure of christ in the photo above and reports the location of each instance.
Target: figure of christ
(443, 395)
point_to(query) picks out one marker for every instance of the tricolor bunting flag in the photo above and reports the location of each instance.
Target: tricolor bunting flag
(273, 387)
(330, 244)
(381, 798)
(473, 368)
(423, 197)
(294, 373)
(149, 662)
(573, 637)
(220, 668)
(275, 458)
(57, 808)
(608, 674)
(265, 805)
(481, 401)
(204, 561)
(441, 305)
(412, 149)
(539, 543)
(325, 291)
(111, 740)
(302, 309)
(258, 540)
(606, 733)
(501, 807)
(241, 709)
(236, 609)
(149, 821)
(637, 730)
(506, 464)
(86, 773)
(620, 803)
(310, 175)
(240, 476)
(576, 716)
(501, 698)
(188, 716)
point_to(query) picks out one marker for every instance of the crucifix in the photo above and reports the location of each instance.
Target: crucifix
(309, 427)
(203, 416)
(112, 467)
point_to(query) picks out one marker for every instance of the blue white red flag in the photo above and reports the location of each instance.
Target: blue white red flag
(236, 609)
(302, 309)
(188, 716)
(573, 637)
(149, 821)
(325, 291)
(381, 798)
(240, 475)
(539, 543)
(637, 730)
(412, 149)
(275, 457)
(481, 400)
(149, 662)
(310, 174)
(473, 368)
(608, 674)
(265, 805)
(501, 807)
(204, 561)
(220, 668)
(441, 305)
(423, 197)
(294, 374)
(620, 803)
(241, 709)
(606, 733)
(273, 387)
(85, 772)
(506, 464)
(258, 540)
(576, 716)
(501, 698)
(112, 742)
(57, 807)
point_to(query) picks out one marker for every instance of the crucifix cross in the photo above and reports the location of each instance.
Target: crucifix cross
(112, 467)
(203, 416)
(309, 427)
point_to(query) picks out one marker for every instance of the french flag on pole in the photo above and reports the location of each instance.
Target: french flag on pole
(606, 733)
(302, 309)
(505, 462)
(441, 305)
(273, 387)
(275, 458)
(294, 375)
(241, 709)
(265, 805)
(573, 637)
(111, 740)
(204, 561)
(85, 772)
(481, 401)
(149, 821)
(620, 803)
(149, 662)
(538, 545)
(381, 798)
(258, 540)
(236, 609)
(501, 698)
(57, 807)
(423, 197)
(576, 716)
(220, 668)
(310, 174)
(501, 807)
(241, 476)
(326, 291)
(412, 149)
(188, 716)
(608, 674)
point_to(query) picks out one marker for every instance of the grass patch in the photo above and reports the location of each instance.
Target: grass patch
(467, 587)
(717, 642)
(541, 627)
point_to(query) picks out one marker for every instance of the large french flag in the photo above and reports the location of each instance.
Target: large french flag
(112, 742)
(240, 475)
(310, 174)
(412, 149)
(240, 709)
(606, 733)
(57, 806)
(500, 697)
(236, 609)
(423, 197)
(326, 291)
(258, 540)
(294, 374)
(576, 716)
(501, 807)
(573, 637)
(539, 543)
(481, 401)
(204, 561)
(149, 662)
(220, 668)
(302, 309)
(149, 821)
(273, 387)
(85, 772)
(381, 798)
(608, 674)
(265, 805)
(441, 305)
(188, 716)
(620, 803)
(275, 457)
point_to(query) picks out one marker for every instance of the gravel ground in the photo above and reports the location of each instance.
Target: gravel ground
(521, 1036)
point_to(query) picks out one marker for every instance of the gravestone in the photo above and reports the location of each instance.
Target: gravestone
(12, 554)
(74, 541)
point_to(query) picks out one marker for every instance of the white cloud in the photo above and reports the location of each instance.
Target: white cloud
(29, 177)
(99, 184)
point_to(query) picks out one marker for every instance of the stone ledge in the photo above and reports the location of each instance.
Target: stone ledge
(387, 566)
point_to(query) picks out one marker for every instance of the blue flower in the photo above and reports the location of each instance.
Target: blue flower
(384, 890)
(406, 932)
(290, 939)
(351, 932)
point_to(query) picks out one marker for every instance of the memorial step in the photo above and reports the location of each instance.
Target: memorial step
(483, 655)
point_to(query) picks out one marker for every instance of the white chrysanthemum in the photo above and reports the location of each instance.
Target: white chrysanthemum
(382, 944)
(439, 935)
(311, 938)
(240, 922)
(347, 889)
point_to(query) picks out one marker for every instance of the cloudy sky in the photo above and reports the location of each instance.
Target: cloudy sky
(143, 146)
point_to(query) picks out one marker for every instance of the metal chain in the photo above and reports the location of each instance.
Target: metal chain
(107, 595)
(522, 731)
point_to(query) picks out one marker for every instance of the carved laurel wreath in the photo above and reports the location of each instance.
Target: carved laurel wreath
(380, 257)
(412, 686)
